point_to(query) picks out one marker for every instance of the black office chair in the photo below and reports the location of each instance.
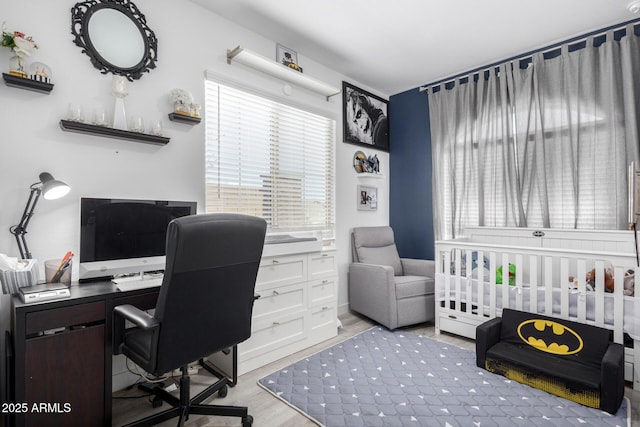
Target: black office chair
(205, 306)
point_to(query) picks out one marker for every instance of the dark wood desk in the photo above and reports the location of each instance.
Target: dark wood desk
(62, 360)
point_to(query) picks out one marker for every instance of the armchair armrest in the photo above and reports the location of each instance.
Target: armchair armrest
(418, 267)
(372, 292)
(136, 316)
(487, 334)
(612, 378)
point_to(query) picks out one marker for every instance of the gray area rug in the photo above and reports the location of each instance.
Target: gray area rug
(384, 378)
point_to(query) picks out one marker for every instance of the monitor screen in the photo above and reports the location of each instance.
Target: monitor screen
(121, 236)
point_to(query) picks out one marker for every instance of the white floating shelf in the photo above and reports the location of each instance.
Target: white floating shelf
(266, 65)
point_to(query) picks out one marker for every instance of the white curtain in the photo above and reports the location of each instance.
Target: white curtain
(541, 145)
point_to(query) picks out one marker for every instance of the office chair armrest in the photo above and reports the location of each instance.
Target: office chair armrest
(133, 314)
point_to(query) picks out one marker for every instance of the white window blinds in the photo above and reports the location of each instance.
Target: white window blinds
(267, 159)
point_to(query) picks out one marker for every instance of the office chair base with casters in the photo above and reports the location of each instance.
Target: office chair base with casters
(183, 406)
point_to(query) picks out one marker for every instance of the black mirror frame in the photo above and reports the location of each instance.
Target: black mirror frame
(80, 15)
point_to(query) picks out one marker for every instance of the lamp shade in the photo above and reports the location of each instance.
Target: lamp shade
(52, 188)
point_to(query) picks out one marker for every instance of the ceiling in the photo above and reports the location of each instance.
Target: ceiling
(395, 45)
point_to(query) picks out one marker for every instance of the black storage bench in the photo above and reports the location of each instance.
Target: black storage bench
(569, 359)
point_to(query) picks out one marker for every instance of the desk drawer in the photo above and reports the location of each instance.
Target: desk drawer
(73, 315)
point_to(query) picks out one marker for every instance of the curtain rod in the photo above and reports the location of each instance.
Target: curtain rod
(546, 49)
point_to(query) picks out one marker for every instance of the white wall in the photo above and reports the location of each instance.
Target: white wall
(190, 41)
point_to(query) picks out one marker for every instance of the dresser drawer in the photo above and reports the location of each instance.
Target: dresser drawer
(278, 271)
(322, 264)
(279, 300)
(322, 291)
(272, 333)
(324, 323)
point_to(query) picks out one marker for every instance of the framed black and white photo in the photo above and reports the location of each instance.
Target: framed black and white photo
(367, 198)
(365, 118)
(287, 57)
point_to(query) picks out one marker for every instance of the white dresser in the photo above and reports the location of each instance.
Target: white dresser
(296, 308)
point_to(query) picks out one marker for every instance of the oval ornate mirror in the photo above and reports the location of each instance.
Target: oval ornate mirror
(115, 35)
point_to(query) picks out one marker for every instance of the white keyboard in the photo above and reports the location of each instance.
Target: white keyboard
(128, 284)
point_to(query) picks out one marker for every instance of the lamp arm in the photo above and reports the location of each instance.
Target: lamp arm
(21, 229)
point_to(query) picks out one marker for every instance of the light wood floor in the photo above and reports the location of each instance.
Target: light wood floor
(266, 410)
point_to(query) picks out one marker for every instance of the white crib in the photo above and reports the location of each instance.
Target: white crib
(468, 291)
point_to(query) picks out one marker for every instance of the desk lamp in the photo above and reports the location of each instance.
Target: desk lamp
(51, 189)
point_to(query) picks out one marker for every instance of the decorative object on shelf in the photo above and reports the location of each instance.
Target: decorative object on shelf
(365, 118)
(21, 46)
(93, 23)
(266, 65)
(90, 129)
(182, 101)
(360, 163)
(195, 110)
(156, 128)
(364, 164)
(40, 72)
(50, 189)
(74, 113)
(367, 198)
(287, 57)
(100, 117)
(119, 91)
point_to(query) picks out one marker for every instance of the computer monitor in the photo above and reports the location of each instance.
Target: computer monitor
(122, 236)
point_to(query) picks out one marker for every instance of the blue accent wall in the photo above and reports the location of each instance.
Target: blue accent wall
(410, 210)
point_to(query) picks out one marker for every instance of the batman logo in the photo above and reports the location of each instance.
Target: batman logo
(550, 337)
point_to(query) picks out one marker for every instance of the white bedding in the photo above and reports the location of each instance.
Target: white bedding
(631, 305)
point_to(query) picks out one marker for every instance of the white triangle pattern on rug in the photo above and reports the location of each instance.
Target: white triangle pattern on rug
(417, 381)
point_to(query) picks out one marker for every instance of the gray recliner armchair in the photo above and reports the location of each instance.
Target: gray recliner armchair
(392, 291)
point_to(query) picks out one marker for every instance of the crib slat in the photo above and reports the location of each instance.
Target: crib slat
(533, 284)
(492, 286)
(548, 286)
(564, 296)
(618, 304)
(447, 280)
(456, 295)
(481, 283)
(519, 277)
(599, 303)
(469, 271)
(582, 290)
(505, 280)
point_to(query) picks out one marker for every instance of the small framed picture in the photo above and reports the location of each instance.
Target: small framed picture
(287, 57)
(367, 198)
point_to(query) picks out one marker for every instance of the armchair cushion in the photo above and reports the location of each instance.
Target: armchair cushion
(384, 255)
(412, 286)
(376, 245)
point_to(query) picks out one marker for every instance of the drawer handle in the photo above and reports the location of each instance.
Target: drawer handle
(276, 293)
(325, 308)
(452, 316)
(276, 323)
(275, 261)
(325, 281)
(325, 255)
(256, 297)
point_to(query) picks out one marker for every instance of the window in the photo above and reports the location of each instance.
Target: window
(268, 159)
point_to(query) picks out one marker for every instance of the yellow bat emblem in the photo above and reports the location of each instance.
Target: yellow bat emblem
(550, 337)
